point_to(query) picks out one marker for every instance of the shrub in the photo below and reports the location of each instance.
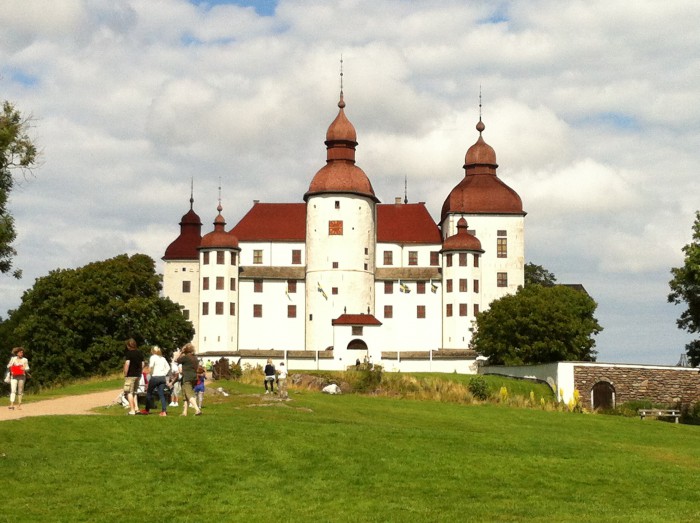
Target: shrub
(478, 387)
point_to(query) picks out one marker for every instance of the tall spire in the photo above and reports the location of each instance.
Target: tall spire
(405, 188)
(341, 102)
(219, 207)
(480, 125)
(191, 193)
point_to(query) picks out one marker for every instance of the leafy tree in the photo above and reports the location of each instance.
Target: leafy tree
(538, 325)
(17, 151)
(538, 275)
(685, 287)
(74, 322)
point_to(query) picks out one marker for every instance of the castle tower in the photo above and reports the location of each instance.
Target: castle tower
(495, 215)
(340, 237)
(181, 267)
(461, 286)
(218, 260)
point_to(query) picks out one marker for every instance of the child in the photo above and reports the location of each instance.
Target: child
(199, 387)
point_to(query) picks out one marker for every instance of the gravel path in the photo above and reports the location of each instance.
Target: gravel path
(82, 404)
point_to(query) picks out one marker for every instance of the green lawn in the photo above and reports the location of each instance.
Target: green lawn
(348, 458)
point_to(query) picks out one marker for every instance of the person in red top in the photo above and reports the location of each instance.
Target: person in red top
(18, 366)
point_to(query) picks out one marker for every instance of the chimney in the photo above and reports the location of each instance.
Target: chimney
(397, 200)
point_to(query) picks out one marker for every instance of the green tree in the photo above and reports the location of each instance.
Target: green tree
(538, 275)
(538, 325)
(685, 288)
(17, 152)
(73, 322)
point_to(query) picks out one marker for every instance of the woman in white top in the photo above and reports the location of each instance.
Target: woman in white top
(18, 367)
(159, 374)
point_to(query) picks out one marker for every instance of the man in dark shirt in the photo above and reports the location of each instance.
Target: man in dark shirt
(133, 366)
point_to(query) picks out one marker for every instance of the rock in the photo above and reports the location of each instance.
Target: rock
(331, 389)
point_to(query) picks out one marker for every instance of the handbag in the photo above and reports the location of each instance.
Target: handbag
(7, 376)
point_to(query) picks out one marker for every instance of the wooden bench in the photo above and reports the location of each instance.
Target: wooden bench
(660, 413)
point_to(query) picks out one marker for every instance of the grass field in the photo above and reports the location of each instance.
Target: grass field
(348, 458)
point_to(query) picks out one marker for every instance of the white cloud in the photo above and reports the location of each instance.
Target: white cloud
(590, 107)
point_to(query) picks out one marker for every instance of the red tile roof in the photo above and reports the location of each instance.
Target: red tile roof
(356, 319)
(272, 222)
(406, 223)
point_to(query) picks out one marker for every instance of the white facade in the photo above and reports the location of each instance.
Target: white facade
(343, 272)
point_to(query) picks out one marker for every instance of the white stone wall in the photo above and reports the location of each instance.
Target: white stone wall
(354, 253)
(175, 272)
(457, 329)
(219, 332)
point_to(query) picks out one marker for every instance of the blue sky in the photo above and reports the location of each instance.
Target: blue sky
(591, 107)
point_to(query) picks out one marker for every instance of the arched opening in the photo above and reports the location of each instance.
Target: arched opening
(603, 396)
(357, 344)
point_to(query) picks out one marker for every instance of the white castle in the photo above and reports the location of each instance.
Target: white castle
(341, 276)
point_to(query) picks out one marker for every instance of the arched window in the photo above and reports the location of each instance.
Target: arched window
(357, 344)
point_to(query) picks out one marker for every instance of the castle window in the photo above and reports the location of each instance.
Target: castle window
(219, 308)
(462, 259)
(220, 257)
(357, 330)
(366, 251)
(205, 283)
(257, 257)
(335, 265)
(501, 247)
(502, 232)
(420, 287)
(233, 258)
(388, 311)
(448, 260)
(205, 308)
(420, 311)
(388, 287)
(291, 311)
(257, 310)
(335, 227)
(232, 309)
(448, 286)
(413, 257)
(476, 285)
(337, 204)
(186, 314)
(501, 279)
(232, 284)
(186, 286)
(291, 286)
(334, 290)
(462, 309)
(448, 310)
(434, 258)
(257, 285)
(296, 257)
(476, 309)
(476, 260)
(463, 285)
(205, 258)
(388, 258)
(219, 283)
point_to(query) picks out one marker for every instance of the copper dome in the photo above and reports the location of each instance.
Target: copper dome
(185, 245)
(481, 191)
(219, 238)
(340, 174)
(463, 240)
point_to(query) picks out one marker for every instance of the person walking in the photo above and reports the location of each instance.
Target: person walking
(189, 364)
(18, 366)
(282, 381)
(133, 366)
(269, 377)
(159, 368)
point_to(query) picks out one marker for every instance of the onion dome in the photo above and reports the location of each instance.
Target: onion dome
(462, 241)
(481, 191)
(219, 238)
(340, 174)
(185, 246)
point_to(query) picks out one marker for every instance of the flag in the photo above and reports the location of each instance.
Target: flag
(321, 291)
(433, 287)
(403, 287)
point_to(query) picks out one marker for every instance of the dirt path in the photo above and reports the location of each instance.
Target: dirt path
(82, 404)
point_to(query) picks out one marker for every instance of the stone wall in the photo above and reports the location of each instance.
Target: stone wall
(670, 386)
